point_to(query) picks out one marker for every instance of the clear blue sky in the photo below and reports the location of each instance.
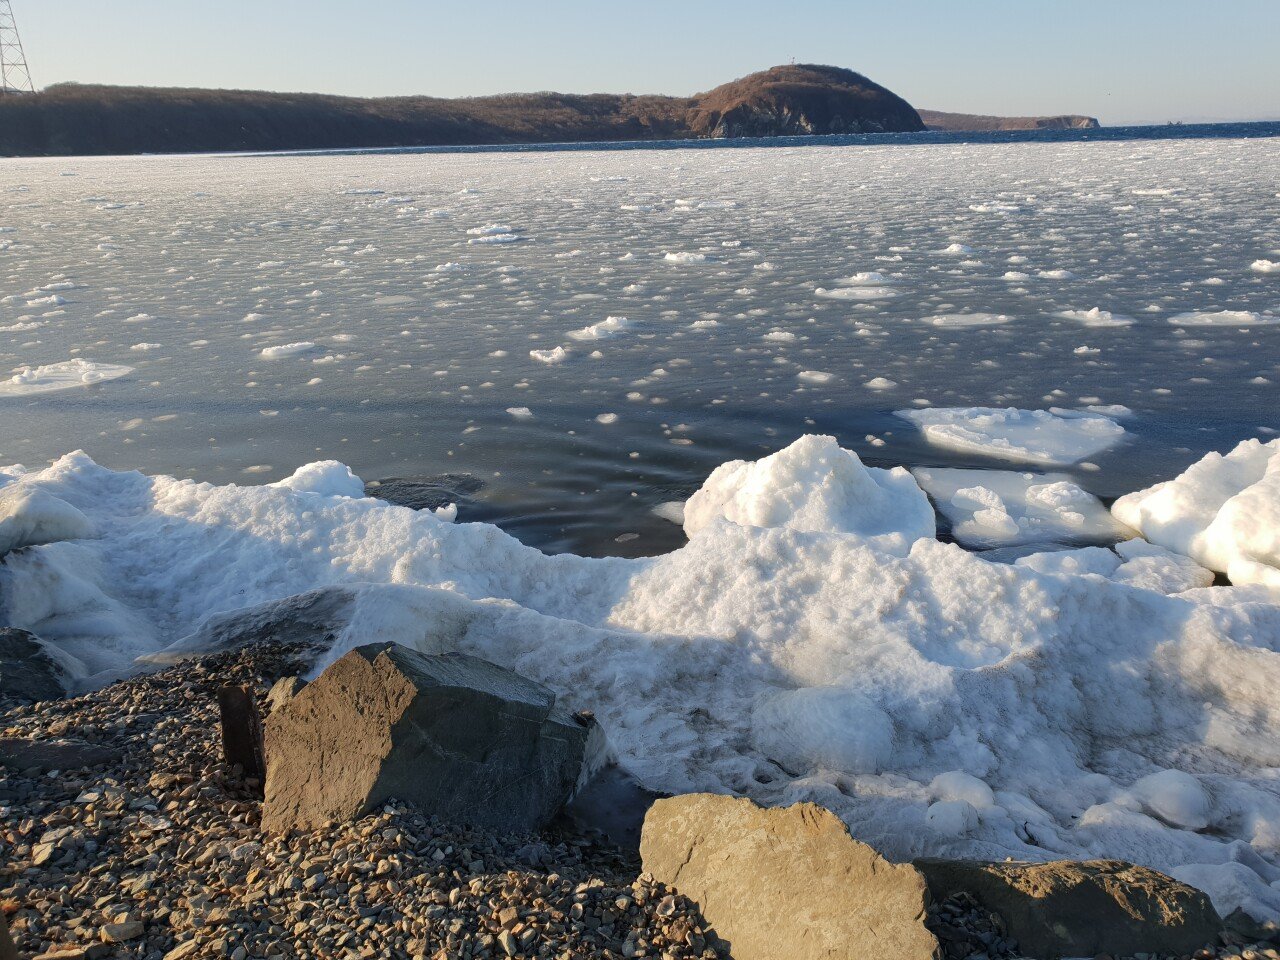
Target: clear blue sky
(1120, 60)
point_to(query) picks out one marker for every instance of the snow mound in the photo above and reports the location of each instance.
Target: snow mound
(816, 485)
(1026, 436)
(61, 376)
(1223, 512)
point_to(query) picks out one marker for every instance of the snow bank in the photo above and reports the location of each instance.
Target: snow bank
(1045, 437)
(1223, 512)
(810, 642)
(61, 376)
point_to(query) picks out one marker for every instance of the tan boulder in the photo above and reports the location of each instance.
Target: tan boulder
(786, 883)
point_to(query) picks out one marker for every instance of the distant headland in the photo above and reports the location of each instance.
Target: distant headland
(791, 100)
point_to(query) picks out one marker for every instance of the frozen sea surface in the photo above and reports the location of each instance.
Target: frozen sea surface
(589, 333)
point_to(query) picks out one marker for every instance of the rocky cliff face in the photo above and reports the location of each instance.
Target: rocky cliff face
(963, 122)
(800, 99)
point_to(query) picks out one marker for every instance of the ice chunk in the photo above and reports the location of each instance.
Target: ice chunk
(1096, 317)
(1265, 266)
(608, 327)
(1028, 436)
(329, 478)
(30, 516)
(1175, 797)
(61, 376)
(992, 508)
(549, 356)
(1223, 512)
(814, 484)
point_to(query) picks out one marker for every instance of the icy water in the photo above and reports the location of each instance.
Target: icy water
(415, 314)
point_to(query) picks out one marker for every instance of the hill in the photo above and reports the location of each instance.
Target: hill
(87, 119)
(961, 122)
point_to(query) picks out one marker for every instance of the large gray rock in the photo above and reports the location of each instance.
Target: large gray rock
(1069, 908)
(787, 883)
(460, 737)
(28, 672)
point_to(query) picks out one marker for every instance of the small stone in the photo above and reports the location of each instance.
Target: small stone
(120, 932)
(508, 943)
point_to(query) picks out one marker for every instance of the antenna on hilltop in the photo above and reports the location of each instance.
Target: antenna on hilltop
(14, 75)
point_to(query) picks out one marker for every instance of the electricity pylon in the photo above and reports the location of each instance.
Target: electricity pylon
(14, 75)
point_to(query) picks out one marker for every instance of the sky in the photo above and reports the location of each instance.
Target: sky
(1123, 61)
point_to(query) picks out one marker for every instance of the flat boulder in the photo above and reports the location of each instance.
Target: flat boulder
(786, 883)
(28, 672)
(1068, 908)
(461, 738)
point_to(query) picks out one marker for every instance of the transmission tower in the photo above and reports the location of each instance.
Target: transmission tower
(14, 75)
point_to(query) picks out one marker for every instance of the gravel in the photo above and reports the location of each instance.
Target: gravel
(156, 853)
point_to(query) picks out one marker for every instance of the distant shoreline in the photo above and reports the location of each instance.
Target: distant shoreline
(1248, 130)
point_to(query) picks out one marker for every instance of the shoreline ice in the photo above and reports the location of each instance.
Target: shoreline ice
(812, 641)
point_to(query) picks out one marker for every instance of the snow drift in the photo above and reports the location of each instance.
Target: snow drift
(813, 641)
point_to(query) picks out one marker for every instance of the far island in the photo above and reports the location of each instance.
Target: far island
(789, 100)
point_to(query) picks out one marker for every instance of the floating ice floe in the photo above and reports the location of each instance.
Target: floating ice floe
(998, 508)
(1223, 318)
(815, 376)
(1223, 512)
(1028, 436)
(606, 328)
(61, 376)
(285, 350)
(855, 293)
(975, 319)
(679, 257)
(550, 355)
(812, 641)
(1096, 317)
(1265, 266)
